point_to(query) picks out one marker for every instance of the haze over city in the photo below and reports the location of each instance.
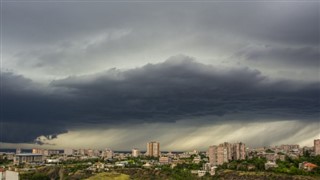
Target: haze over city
(80, 74)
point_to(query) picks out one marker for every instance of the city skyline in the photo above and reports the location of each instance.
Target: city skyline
(315, 145)
(186, 74)
(235, 157)
(152, 148)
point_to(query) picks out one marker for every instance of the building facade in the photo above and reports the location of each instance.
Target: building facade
(27, 158)
(45, 152)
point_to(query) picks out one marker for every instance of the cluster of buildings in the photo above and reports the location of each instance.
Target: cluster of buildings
(36, 156)
(106, 154)
(225, 152)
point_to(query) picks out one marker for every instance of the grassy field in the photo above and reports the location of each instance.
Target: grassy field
(109, 176)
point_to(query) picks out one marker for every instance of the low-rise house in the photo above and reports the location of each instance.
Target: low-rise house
(196, 159)
(194, 171)
(201, 173)
(164, 160)
(270, 156)
(53, 161)
(178, 161)
(293, 156)
(121, 164)
(213, 170)
(307, 166)
(206, 166)
(99, 165)
(147, 165)
(7, 155)
(173, 165)
(109, 165)
(184, 155)
(269, 165)
(273, 156)
(251, 167)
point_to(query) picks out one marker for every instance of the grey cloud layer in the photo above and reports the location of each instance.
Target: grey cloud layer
(62, 39)
(177, 89)
(291, 57)
(293, 22)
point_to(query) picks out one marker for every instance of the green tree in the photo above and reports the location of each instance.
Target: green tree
(269, 151)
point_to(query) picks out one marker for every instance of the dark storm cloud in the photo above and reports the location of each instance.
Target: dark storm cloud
(178, 88)
(28, 109)
(181, 86)
(28, 132)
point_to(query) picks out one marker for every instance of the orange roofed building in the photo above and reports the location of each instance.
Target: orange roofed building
(307, 166)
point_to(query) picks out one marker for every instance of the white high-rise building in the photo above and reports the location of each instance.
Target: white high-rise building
(135, 152)
(213, 155)
(153, 149)
(108, 153)
(239, 151)
(316, 146)
(18, 151)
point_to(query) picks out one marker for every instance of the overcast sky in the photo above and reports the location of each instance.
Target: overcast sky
(187, 74)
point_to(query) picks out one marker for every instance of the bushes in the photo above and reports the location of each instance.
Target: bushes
(34, 176)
